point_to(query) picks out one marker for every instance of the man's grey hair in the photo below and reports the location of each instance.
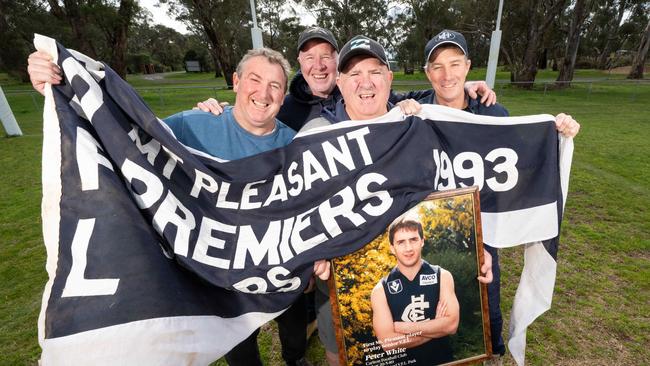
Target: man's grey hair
(272, 56)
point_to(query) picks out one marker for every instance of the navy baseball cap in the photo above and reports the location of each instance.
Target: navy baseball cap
(317, 33)
(443, 38)
(361, 45)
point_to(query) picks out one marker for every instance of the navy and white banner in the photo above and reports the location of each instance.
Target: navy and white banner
(158, 254)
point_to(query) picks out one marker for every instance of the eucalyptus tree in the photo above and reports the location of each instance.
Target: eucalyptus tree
(579, 13)
(347, 18)
(636, 71)
(525, 25)
(19, 20)
(99, 27)
(223, 23)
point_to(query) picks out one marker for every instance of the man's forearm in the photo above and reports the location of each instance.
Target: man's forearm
(434, 328)
(399, 340)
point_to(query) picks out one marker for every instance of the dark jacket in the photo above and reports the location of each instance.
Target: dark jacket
(474, 106)
(301, 106)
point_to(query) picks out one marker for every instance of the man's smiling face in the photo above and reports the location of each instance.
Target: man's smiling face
(447, 70)
(407, 248)
(365, 85)
(260, 92)
(317, 60)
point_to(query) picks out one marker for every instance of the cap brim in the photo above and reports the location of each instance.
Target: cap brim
(315, 36)
(444, 43)
(358, 52)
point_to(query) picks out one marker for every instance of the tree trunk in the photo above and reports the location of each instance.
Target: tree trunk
(217, 65)
(573, 42)
(524, 73)
(224, 56)
(77, 20)
(612, 34)
(639, 61)
(542, 61)
(120, 35)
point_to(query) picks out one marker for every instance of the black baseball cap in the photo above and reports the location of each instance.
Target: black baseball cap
(361, 45)
(317, 33)
(445, 37)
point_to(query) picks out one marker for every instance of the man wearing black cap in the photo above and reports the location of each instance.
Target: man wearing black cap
(364, 81)
(314, 86)
(446, 65)
(313, 89)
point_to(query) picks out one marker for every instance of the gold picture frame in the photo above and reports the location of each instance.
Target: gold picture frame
(451, 225)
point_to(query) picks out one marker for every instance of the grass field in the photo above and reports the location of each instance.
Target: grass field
(601, 308)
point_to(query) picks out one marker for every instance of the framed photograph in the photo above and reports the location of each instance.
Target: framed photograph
(411, 296)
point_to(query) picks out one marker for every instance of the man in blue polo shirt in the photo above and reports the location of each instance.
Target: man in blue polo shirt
(248, 128)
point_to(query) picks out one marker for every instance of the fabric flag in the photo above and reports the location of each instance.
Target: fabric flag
(159, 254)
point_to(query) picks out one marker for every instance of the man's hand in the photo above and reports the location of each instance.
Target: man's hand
(480, 87)
(566, 125)
(42, 70)
(486, 268)
(409, 107)
(322, 269)
(211, 106)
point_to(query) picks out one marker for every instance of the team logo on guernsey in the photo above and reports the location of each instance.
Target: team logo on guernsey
(414, 312)
(395, 287)
(428, 279)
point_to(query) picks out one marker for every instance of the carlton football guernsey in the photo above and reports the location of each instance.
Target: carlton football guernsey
(415, 301)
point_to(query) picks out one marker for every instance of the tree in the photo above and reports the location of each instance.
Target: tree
(416, 24)
(198, 44)
(636, 72)
(612, 12)
(117, 34)
(580, 13)
(280, 26)
(348, 18)
(165, 45)
(99, 27)
(78, 18)
(19, 20)
(221, 23)
(525, 24)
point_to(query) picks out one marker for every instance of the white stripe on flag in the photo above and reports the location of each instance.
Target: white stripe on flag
(533, 297)
(184, 340)
(51, 182)
(511, 228)
(535, 291)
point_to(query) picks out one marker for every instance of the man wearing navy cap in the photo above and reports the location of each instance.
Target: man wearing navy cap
(446, 65)
(364, 81)
(314, 85)
(313, 89)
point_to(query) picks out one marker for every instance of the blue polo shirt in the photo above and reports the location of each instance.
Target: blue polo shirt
(222, 136)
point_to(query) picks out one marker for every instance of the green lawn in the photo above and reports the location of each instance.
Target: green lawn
(601, 309)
